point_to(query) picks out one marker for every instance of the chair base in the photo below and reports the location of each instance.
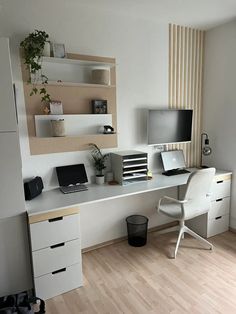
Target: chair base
(184, 229)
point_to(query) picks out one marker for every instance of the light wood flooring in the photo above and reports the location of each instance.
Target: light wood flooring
(123, 279)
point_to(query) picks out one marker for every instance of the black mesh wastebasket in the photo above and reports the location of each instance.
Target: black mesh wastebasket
(137, 230)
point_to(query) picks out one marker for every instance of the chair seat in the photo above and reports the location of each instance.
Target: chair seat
(172, 210)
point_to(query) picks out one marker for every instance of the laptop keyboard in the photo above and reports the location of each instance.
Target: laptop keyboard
(73, 188)
(175, 172)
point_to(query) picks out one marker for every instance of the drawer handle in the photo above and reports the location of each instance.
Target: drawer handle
(219, 200)
(55, 219)
(218, 217)
(57, 245)
(58, 271)
(221, 181)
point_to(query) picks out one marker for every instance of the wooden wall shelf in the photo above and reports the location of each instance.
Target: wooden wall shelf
(76, 99)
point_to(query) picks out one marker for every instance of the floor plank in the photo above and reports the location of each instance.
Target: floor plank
(123, 279)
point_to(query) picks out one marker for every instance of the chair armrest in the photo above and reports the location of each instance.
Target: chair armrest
(170, 199)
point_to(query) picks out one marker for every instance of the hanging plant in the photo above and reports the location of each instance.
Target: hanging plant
(33, 46)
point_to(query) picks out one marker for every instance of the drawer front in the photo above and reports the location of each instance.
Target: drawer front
(62, 281)
(216, 226)
(58, 256)
(53, 231)
(220, 189)
(219, 207)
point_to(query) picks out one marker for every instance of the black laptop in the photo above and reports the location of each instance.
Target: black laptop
(72, 178)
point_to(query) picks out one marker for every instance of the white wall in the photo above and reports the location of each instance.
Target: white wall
(219, 101)
(141, 50)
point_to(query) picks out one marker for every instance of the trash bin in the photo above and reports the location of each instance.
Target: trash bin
(137, 230)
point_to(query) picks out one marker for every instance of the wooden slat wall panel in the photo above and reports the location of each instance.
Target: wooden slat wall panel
(186, 48)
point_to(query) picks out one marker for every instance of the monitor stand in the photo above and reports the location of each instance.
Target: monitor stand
(174, 172)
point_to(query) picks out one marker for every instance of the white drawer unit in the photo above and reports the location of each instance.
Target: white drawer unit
(58, 282)
(56, 252)
(53, 231)
(217, 219)
(220, 188)
(56, 256)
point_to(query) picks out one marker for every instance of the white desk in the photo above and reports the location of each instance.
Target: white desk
(55, 229)
(55, 199)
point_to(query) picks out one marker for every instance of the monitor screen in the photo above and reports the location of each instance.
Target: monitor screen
(71, 175)
(169, 126)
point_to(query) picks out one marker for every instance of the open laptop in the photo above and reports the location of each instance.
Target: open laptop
(72, 178)
(173, 162)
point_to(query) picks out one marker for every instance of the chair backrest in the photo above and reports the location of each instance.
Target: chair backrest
(197, 192)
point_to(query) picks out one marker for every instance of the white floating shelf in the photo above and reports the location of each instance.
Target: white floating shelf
(55, 83)
(75, 124)
(78, 62)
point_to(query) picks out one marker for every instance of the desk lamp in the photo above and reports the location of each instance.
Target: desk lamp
(205, 148)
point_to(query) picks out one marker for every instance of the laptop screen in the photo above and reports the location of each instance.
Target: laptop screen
(173, 160)
(71, 175)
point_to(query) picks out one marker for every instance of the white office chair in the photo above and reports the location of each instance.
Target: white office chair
(196, 202)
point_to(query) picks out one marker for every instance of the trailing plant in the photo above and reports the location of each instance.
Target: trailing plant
(98, 158)
(33, 46)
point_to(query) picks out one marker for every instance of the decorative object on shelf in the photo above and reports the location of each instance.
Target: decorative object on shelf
(56, 107)
(205, 148)
(108, 129)
(47, 49)
(33, 47)
(46, 110)
(58, 50)
(101, 75)
(99, 162)
(58, 128)
(99, 106)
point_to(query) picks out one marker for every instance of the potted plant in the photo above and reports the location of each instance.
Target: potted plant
(99, 162)
(33, 48)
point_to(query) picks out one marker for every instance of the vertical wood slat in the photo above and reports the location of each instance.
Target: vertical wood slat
(186, 48)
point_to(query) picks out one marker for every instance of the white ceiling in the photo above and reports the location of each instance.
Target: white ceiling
(203, 14)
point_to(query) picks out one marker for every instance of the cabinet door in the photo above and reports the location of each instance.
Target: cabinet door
(15, 268)
(11, 191)
(7, 101)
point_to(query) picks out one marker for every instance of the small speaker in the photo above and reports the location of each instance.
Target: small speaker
(33, 188)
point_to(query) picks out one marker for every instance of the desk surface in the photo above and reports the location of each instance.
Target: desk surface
(55, 199)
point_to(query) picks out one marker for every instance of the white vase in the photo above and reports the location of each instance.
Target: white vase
(46, 50)
(100, 179)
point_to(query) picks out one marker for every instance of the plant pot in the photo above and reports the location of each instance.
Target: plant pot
(100, 179)
(58, 128)
(47, 49)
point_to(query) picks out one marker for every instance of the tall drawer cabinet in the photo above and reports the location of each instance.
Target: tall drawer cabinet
(217, 219)
(56, 252)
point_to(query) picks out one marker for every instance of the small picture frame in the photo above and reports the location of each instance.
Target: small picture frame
(56, 107)
(58, 50)
(99, 106)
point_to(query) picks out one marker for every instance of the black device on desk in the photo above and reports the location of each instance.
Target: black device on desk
(173, 162)
(72, 178)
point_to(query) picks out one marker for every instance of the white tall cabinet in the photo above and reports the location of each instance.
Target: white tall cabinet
(15, 270)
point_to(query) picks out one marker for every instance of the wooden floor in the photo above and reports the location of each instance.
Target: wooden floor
(124, 279)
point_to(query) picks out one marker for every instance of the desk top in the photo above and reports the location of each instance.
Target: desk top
(55, 199)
